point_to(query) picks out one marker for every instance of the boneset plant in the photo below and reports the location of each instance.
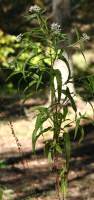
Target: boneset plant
(41, 46)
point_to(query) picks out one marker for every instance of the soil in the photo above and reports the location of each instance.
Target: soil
(29, 177)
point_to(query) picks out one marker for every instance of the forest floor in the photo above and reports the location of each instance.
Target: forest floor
(29, 177)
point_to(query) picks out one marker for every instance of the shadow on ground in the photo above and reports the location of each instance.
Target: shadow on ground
(30, 175)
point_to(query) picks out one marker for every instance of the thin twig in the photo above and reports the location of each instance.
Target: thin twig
(18, 143)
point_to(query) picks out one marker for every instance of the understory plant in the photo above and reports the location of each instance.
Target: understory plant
(41, 46)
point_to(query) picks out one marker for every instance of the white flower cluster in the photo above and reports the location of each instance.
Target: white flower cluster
(19, 37)
(34, 8)
(55, 28)
(85, 36)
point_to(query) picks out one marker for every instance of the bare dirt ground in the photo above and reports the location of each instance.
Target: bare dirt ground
(26, 176)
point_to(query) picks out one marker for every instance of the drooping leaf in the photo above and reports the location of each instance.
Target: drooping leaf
(36, 136)
(39, 81)
(57, 75)
(78, 126)
(41, 118)
(71, 99)
(12, 74)
(65, 112)
(30, 85)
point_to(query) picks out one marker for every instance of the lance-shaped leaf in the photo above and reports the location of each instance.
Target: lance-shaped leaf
(57, 75)
(82, 134)
(77, 127)
(36, 136)
(41, 118)
(65, 112)
(68, 94)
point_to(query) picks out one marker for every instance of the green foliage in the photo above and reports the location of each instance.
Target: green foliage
(2, 164)
(89, 85)
(7, 49)
(1, 194)
(40, 48)
(41, 118)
